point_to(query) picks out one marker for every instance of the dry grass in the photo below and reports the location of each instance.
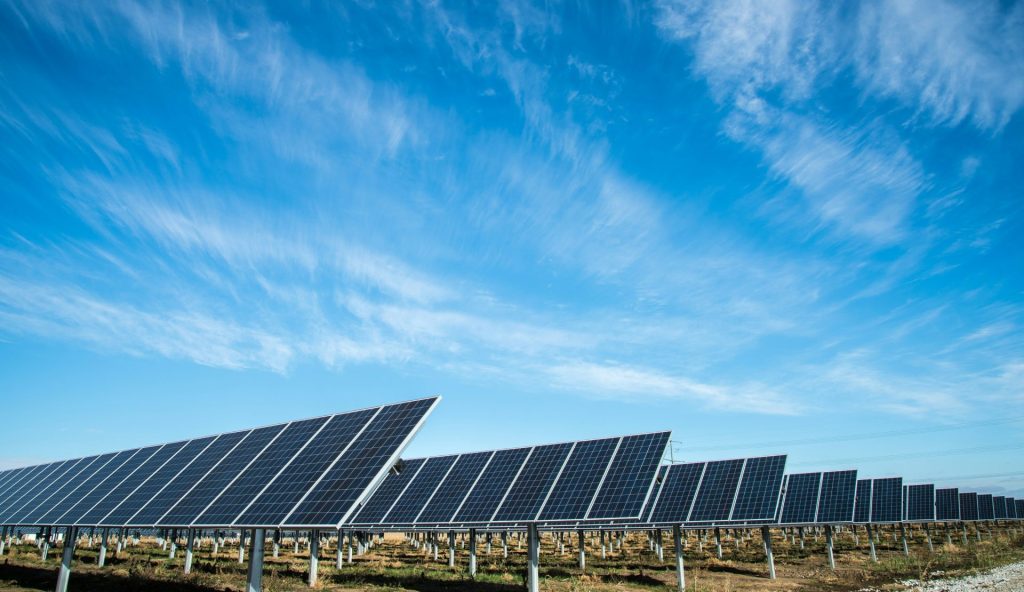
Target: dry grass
(395, 565)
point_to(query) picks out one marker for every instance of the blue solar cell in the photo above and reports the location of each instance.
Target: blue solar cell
(947, 504)
(675, 497)
(114, 478)
(204, 492)
(377, 507)
(760, 486)
(285, 492)
(119, 493)
(717, 491)
(56, 508)
(968, 507)
(447, 498)
(233, 499)
(920, 503)
(424, 484)
(800, 499)
(526, 495)
(1011, 508)
(578, 483)
(999, 507)
(364, 463)
(172, 481)
(838, 495)
(986, 507)
(494, 482)
(1019, 504)
(29, 486)
(887, 500)
(862, 507)
(51, 497)
(630, 477)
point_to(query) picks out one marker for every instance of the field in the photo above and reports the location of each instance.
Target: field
(396, 565)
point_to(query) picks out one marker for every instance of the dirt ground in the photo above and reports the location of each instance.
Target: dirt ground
(396, 565)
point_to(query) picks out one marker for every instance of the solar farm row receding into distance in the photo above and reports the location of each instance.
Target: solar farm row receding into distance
(310, 473)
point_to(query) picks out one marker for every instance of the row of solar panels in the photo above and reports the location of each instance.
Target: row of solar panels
(310, 473)
(745, 492)
(596, 480)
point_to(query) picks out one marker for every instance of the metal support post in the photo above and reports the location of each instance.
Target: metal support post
(190, 547)
(680, 572)
(339, 559)
(871, 543)
(472, 552)
(718, 542)
(583, 550)
(314, 557)
(828, 546)
(254, 577)
(903, 538)
(533, 568)
(766, 534)
(101, 560)
(451, 548)
(70, 536)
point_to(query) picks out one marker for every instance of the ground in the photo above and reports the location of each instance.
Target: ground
(395, 565)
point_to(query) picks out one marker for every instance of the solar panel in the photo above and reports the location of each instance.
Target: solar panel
(758, 495)
(328, 463)
(449, 495)
(999, 506)
(630, 477)
(338, 492)
(579, 481)
(131, 482)
(800, 498)
(887, 500)
(838, 494)
(524, 498)
(717, 491)
(675, 495)
(920, 503)
(284, 492)
(235, 497)
(1020, 508)
(181, 482)
(968, 507)
(423, 485)
(862, 507)
(113, 478)
(380, 503)
(947, 504)
(1011, 508)
(986, 507)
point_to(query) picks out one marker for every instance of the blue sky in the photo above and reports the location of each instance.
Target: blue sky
(770, 227)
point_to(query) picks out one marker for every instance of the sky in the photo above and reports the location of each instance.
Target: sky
(771, 227)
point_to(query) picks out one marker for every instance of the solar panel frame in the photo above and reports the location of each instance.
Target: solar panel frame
(800, 501)
(677, 493)
(947, 504)
(717, 491)
(920, 505)
(986, 507)
(969, 507)
(862, 504)
(887, 500)
(836, 501)
(630, 479)
(759, 491)
(525, 497)
(999, 507)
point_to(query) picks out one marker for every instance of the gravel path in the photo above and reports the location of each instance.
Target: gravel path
(1009, 578)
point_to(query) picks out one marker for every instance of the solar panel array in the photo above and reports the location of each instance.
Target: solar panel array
(947, 504)
(309, 473)
(969, 507)
(737, 491)
(986, 507)
(920, 503)
(594, 480)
